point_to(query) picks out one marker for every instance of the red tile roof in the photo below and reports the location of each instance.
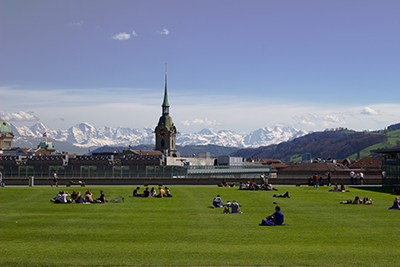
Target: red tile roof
(367, 163)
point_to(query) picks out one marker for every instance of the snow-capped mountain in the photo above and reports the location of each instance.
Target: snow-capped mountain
(86, 135)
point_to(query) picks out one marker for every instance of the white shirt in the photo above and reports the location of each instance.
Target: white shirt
(64, 198)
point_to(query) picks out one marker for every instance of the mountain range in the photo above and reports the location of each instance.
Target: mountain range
(86, 136)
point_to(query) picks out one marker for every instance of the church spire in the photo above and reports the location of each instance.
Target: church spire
(165, 104)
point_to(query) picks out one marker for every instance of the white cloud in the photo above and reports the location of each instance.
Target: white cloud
(164, 31)
(76, 24)
(185, 123)
(306, 119)
(122, 36)
(369, 111)
(134, 33)
(331, 119)
(206, 122)
(18, 116)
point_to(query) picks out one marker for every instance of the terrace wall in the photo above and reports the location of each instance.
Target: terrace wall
(200, 180)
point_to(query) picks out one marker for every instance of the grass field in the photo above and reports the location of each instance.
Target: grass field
(184, 231)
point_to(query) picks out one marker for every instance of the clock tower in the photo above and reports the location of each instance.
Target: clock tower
(165, 130)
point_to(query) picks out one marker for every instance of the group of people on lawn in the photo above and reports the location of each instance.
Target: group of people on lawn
(337, 189)
(264, 185)
(77, 197)
(234, 208)
(229, 207)
(152, 193)
(357, 200)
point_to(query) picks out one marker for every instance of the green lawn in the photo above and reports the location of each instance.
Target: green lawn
(184, 231)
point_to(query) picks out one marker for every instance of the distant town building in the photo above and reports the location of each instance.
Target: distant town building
(390, 165)
(47, 145)
(230, 161)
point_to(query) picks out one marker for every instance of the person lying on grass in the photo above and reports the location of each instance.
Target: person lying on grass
(357, 200)
(286, 195)
(335, 188)
(274, 219)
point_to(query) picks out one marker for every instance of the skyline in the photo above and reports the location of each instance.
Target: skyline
(232, 65)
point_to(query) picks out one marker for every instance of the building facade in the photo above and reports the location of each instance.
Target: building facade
(390, 166)
(6, 135)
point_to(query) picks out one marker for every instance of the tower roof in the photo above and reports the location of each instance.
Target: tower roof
(5, 127)
(165, 102)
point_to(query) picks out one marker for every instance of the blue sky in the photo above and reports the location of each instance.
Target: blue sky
(233, 65)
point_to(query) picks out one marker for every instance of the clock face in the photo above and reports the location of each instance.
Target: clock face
(162, 131)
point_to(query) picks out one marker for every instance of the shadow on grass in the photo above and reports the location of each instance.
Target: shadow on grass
(387, 190)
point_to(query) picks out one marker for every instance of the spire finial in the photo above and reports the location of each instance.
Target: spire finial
(165, 105)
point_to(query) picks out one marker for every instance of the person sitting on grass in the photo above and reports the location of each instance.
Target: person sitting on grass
(242, 186)
(342, 188)
(247, 185)
(226, 210)
(64, 196)
(88, 196)
(396, 204)
(102, 198)
(162, 192)
(223, 183)
(235, 207)
(167, 192)
(274, 219)
(226, 207)
(146, 192)
(217, 202)
(57, 199)
(153, 192)
(286, 195)
(136, 192)
(73, 196)
(78, 198)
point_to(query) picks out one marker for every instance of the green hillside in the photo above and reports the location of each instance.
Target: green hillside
(393, 140)
(340, 143)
